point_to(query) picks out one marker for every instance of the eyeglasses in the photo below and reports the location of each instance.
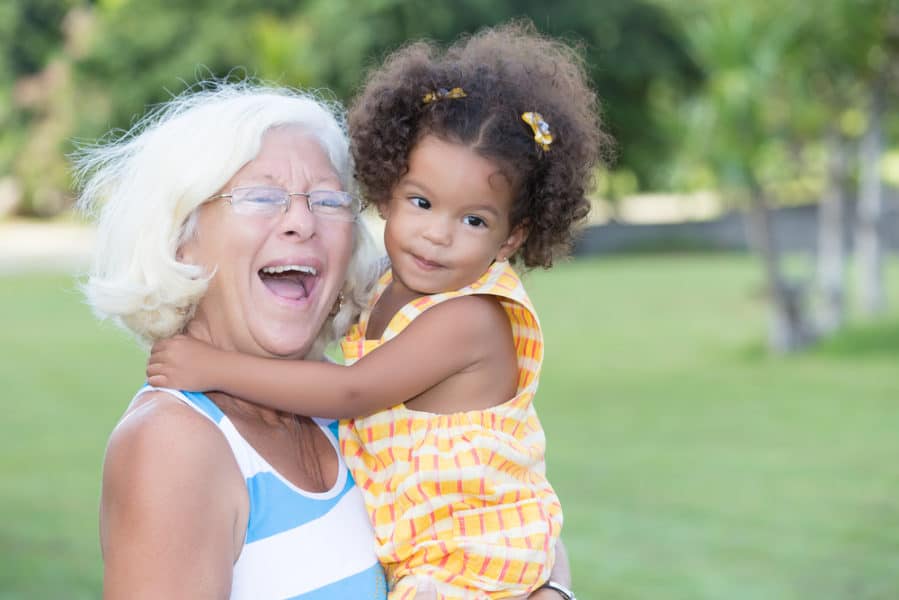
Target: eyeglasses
(263, 201)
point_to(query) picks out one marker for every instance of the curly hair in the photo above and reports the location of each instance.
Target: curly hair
(504, 71)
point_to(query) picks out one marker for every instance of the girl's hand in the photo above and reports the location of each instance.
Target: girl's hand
(183, 363)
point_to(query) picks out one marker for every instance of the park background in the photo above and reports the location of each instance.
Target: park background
(722, 375)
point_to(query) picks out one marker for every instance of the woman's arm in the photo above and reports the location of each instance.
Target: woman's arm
(561, 574)
(444, 340)
(170, 506)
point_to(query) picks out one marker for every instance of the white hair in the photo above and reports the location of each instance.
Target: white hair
(145, 187)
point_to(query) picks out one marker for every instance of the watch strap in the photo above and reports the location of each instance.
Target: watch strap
(563, 591)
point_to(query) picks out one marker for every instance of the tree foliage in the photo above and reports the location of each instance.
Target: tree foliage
(629, 46)
(697, 94)
(137, 53)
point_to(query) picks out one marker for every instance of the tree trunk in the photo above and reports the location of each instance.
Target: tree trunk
(868, 246)
(788, 325)
(831, 244)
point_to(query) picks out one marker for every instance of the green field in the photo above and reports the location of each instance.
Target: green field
(691, 465)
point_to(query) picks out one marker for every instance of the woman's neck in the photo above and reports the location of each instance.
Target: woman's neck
(236, 407)
(199, 329)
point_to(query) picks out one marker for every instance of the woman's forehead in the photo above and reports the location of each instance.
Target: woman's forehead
(289, 157)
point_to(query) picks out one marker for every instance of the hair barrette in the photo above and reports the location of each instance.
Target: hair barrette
(443, 94)
(542, 135)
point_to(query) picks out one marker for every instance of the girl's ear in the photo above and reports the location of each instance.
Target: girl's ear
(383, 208)
(513, 242)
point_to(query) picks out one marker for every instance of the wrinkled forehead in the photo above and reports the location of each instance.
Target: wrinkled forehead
(292, 158)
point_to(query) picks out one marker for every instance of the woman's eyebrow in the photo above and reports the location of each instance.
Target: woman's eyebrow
(328, 179)
(260, 179)
(268, 179)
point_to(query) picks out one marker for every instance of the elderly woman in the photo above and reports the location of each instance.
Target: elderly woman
(225, 215)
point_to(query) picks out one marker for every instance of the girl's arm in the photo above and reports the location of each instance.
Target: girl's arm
(444, 340)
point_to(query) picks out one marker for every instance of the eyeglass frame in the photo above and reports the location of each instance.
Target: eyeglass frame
(356, 203)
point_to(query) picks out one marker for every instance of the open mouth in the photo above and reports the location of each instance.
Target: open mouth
(291, 282)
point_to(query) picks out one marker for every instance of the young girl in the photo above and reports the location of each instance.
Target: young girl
(474, 157)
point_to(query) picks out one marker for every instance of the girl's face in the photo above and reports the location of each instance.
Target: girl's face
(276, 275)
(447, 219)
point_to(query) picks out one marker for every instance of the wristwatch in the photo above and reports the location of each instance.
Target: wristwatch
(558, 587)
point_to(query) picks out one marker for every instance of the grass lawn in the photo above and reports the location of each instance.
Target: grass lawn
(691, 465)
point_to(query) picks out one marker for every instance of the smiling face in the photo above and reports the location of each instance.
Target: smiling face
(276, 277)
(447, 219)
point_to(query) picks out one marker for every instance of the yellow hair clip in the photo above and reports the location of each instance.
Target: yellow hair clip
(443, 94)
(542, 134)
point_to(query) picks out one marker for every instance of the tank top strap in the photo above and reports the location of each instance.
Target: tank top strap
(248, 460)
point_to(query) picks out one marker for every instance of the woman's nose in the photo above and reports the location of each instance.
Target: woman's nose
(298, 220)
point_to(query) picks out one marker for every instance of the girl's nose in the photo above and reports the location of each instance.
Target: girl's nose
(438, 231)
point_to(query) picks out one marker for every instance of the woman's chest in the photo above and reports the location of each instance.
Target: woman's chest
(299, 453)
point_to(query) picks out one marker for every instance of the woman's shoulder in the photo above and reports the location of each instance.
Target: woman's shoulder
(159, 413)
(171, 495)
(165, 439)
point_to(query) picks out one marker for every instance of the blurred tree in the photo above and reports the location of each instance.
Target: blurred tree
(145, 48)
(144, 52)
(849, 50)
(632, 50)
(31, 31)
(783, 81)
(77, 68)
(879, 70)
(832, 214)
(824, 74)
(739, 125)
(35, 108)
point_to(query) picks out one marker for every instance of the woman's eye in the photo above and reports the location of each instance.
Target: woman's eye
(474, 221)
(420, 202)
(329, 202)
(265, 200)
(263, 197)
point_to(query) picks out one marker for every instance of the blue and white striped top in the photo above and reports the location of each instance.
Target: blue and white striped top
(299, 544)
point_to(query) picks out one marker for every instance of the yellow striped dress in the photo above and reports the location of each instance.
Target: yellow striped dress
(461, 499)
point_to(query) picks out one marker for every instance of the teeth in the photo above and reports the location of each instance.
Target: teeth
(285, 268)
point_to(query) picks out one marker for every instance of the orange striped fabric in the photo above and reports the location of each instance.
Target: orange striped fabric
(461, 499)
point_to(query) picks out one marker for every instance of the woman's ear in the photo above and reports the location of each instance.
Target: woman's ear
(513, 242)
(187, 250)
(187, 243)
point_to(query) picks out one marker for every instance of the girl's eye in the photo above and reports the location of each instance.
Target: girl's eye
(474, 221)
(420, 202)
